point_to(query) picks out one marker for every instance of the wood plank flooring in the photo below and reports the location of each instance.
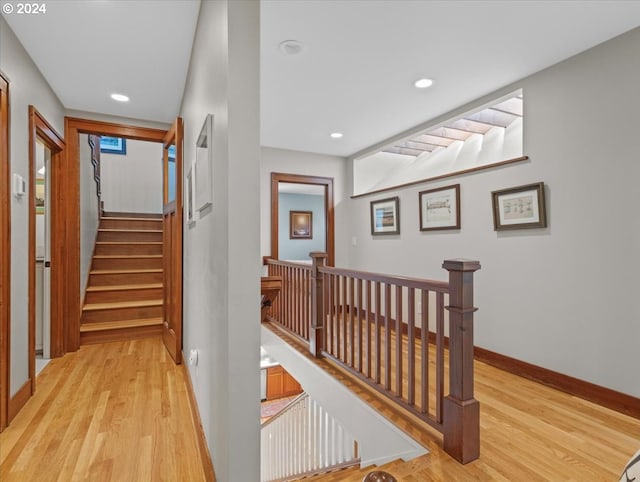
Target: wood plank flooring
(110, 412)
(528, 432)
(120, 412)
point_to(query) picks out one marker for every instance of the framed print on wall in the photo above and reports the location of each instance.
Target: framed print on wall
(520, 207)
(385, 216)
(113, 145)
(204, 165)
(300, 225)
(189, 199)
(440, 208)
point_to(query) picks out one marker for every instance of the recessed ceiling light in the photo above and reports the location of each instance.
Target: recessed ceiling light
(120, 97)
(423, 83)
(336, 135)
(291, 47)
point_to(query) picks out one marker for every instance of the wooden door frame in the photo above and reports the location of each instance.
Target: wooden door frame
(40, 129)
(175, 135)
(5, 251)
(327, 182)
(73, 127)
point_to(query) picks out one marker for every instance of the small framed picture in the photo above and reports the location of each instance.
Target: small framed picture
(113, 145)
(300, 225)
(204, 166)
(190, 191)
(385, 216)
(440, 208)
(519, 207)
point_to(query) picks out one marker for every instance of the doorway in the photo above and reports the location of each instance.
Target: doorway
(171, 140)
(5, 252)
(302, 186)
(42, 166)
(45, 157)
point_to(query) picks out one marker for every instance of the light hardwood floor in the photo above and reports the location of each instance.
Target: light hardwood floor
(120, 412)
(528, 432)
(110, 412)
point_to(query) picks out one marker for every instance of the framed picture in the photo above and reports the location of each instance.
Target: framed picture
(519, 207)
(204, 165)
(39, 195)
(440, 208)
(190, 191)
(113, 145)
(300, 225)
(385, 216)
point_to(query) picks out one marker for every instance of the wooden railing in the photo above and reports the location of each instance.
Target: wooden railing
(94, 146)
(292, 307)
(390, 332)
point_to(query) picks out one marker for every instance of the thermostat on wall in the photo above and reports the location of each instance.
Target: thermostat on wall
(19, 185)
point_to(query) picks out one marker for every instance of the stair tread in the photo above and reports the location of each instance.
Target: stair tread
(141, 286)
(126, 256)
(131, 218)
(117, 325)
(121, 304)
(125, 271)
(121, 230)
(118, 243)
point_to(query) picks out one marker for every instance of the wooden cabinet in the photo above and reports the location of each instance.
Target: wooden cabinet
(281, 384)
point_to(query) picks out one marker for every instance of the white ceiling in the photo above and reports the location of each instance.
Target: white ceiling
(89, 49)
(355, 74)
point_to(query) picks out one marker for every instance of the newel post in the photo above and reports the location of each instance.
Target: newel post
(316, 331)
(461, 412)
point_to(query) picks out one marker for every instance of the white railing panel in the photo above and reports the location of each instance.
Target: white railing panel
(304, 439)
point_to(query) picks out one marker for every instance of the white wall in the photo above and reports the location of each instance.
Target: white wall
(563, 297)
(132, 183)
(89, 213)
(221, 251)
(27, 86)
(308, 164)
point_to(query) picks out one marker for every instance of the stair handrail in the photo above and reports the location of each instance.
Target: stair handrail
(94, 144)
(285, 409)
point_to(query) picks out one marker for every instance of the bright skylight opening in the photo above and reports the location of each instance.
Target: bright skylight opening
(120, 97)
(499, 115)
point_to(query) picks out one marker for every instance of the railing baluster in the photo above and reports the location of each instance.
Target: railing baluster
(367, 327)
(344, 318)
(411, 354)
(336, 332)
(359, 314)
(439, 355)
(399, 341)
(377, 333)
(424, 351)
(287, 297)
(387, 336)
(327, 312)
(352, 308)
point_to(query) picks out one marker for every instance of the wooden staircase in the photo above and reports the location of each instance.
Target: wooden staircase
(124, 296)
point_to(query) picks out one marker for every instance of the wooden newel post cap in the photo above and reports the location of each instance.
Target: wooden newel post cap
(318, 255)
(461, 265)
